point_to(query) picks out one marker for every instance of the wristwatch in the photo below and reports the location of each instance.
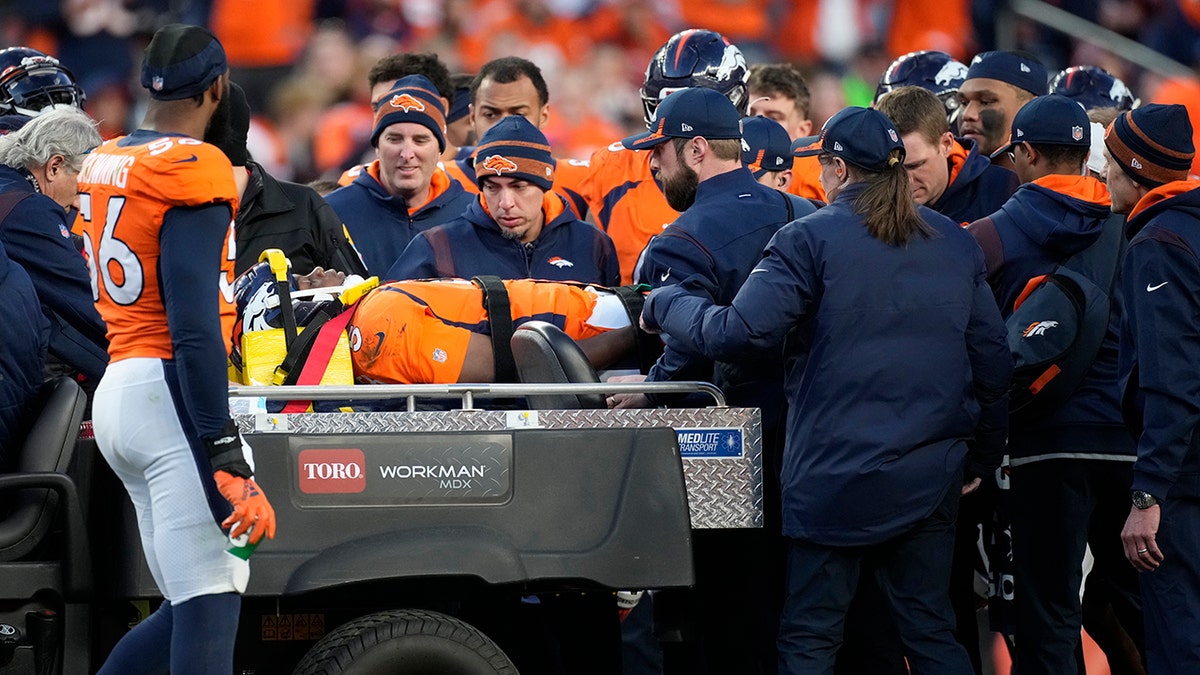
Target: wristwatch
(1142, 500)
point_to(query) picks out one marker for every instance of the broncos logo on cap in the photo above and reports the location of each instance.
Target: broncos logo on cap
(499, 164)
(407, 103)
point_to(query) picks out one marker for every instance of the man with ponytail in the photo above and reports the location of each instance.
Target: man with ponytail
(896, 381)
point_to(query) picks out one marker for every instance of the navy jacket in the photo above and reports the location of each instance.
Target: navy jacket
(277, 214)
(24, 336)
(719, 239)
(1160, 357)
(380, 225)
(979, 187)
(1042, 225)
(38, 237)
(897, 366)
(567, 249)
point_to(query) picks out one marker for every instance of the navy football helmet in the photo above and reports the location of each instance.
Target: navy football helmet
(1093, 87)
(32, 83)
(695, 58)
(936, 71)
(256, 296)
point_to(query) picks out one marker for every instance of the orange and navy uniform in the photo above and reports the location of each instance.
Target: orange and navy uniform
(125, 191)
(417, 332)
(626, 202)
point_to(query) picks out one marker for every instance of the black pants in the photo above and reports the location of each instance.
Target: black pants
(1060, 506)
(912, 571)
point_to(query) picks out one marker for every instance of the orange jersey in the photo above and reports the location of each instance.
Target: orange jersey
(124, 193)
(806, 178)
(417, 332)
(626, 202)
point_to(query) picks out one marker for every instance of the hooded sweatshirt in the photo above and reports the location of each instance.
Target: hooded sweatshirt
(976, 188)
(1043, 224)
(1160, 364)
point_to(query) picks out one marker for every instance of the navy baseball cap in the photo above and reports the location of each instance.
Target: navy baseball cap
(688, 113)
(863, 137)
(460, 105)
(182, 61)
(765, 146)
(1019, 70)
(1050, 120)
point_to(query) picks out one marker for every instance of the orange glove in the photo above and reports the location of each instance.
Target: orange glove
(251, 511)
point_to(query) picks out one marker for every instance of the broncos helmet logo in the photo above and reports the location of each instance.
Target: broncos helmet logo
(499, 164)
(950, 73)
(407, 103)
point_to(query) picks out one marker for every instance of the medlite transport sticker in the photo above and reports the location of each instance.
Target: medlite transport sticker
(721, 442)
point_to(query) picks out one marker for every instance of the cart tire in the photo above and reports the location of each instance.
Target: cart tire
(406, 642)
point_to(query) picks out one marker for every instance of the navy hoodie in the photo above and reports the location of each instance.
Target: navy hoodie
(1160, 359)
(38, 237)
(1043, 224)
(976, 188)
(380, 225)
(567, 249)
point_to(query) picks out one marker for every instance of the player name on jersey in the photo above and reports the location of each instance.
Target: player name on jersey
(106, 169)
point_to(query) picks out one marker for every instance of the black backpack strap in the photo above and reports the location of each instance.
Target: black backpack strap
(787, 201)
(649, 347)
(495, 301)
(1100, 261)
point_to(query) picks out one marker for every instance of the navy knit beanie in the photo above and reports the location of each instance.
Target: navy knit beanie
(515, 148)
(1152, 144)
(412, 99)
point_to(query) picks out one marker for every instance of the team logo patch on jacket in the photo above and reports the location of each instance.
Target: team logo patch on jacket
(560, 262)
(407, 103)
(499, 164)
(1040, 328)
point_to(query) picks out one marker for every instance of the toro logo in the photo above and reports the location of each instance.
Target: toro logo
(407, 103)
(499, 164)
(332, 471)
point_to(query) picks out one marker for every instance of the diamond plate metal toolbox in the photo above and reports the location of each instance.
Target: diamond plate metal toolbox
(720, 447)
